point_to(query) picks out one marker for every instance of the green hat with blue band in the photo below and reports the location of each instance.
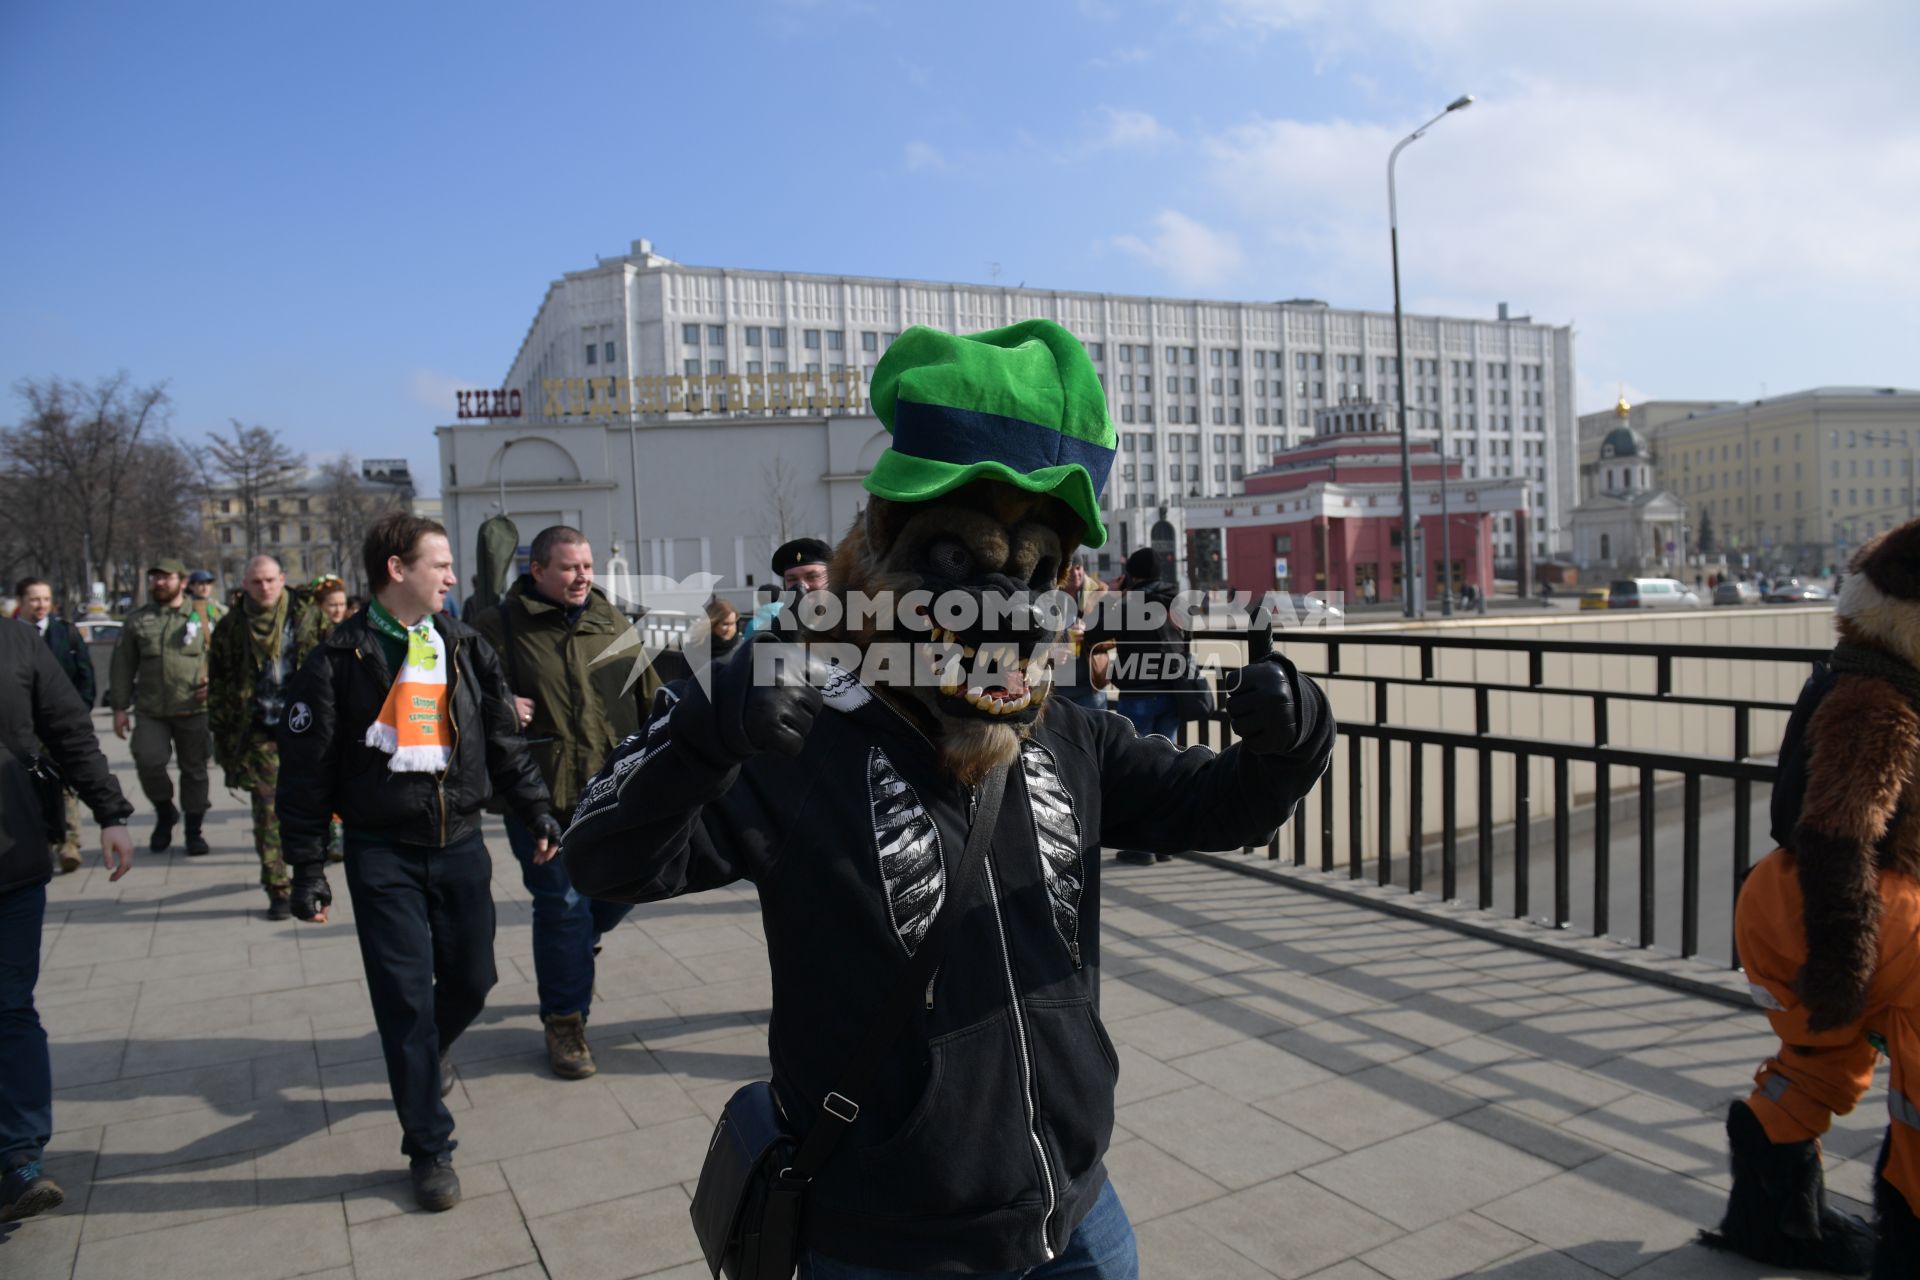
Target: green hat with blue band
(1021, 405)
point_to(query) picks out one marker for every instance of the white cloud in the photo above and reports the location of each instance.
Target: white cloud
(436, 390)
(1119, 59)
(1621, 159)
(923, 156)
(1188, 253)
(1128, 128)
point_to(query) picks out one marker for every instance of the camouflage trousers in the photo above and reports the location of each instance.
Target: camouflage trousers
(258, 773)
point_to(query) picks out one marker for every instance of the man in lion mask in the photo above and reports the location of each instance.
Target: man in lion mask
(846, 798)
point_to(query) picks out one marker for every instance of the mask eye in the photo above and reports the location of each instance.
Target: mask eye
(949, 558)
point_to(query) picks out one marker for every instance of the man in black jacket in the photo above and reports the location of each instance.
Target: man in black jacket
(70, 651)
(37, 705)
(402, 724)
(979, 1147)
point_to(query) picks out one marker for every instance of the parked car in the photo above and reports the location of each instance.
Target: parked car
(1731, 592)
(1651, 593)
(102, 631)
(1594, 598)
(1798, 593)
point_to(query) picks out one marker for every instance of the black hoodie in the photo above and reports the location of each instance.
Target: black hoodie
(981, 1148)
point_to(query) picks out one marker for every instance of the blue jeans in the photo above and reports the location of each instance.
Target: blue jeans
(565, 928)
(26, 1073)
(1152, 713)
(1101, 1248)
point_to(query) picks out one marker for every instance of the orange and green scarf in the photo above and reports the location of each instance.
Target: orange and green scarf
(414, 725)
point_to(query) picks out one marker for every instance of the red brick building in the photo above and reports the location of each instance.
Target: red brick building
(1325, 516)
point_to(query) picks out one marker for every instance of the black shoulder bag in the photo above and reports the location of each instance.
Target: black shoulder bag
(747, 1205)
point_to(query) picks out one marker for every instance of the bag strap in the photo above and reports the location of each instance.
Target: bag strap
(840, 1107)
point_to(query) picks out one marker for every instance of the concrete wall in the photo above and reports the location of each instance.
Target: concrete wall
(1671, 728)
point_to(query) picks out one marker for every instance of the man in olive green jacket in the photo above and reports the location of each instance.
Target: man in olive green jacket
(160, 671)
(256, 649)
(549, 630)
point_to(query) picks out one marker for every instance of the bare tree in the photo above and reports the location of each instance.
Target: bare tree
(782, 499)
(77, 480)
(349, 509)
(249, 466)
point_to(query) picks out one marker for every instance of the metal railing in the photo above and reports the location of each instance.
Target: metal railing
(1501, 843)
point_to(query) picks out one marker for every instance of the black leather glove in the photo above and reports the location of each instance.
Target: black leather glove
(311, 894)
(1264, 705)
(753, 714)
(545, 827)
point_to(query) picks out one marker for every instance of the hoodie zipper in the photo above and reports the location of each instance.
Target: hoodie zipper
(1020, 1035)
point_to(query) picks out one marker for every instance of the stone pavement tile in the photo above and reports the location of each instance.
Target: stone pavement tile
(480, 1235)
(91, 1061)
(1142, 1077)
(60, 981)
(734, 1058)
(1251, 1070)
(641, 973)
(1585, 1036)
(505, 1129)
(1545, 1089)
(609, 1168)
(1152, 1184)
(1175, 1033)
(1348, 1270)
(1293, 998)
(1739, 1040)
(1667, 1074)
(151, 1055)
(1226, 1140)
(685, 1271)
(191, 988)
(290, 1076)
(199, 1017)
(336, 1046)
(618, 1238)
(94, 1010)
(734, 965)
(1540, 1264)
(1370, 1106)
(1343, 1047)
(1475, 1053)
(1290, 1226)
(742, 995)
(42, 1247)
(1660, 1132)
(395, 1195)
(71, 1160)
(649, 1097)
(226, 1085)
(1533, 1136)
(1850, 1178)
(332, 964)
(207, 959)
(630, 1017)
(180, 1137)
(328, 1164)
(1175, 1246)
(1613, 1214)
(102, 945)
(1429, 1175)
(686, 945)
(265, 1244)
(1697, 1262)
(692, 1031)
(332, 1000)
(1455, 1247)
(1427, 1022)
(170, 1197)
(1124, 1000)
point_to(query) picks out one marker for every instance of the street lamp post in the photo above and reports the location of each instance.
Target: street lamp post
(1400, 347)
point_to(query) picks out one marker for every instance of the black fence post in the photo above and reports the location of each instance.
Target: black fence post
(1646, 856)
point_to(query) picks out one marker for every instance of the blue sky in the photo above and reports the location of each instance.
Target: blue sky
(321, 218)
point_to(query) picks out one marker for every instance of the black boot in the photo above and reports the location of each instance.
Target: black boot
(197, 846)
(436, 1187)
(1899, 1254)
(1777, 1212)
(163, 819)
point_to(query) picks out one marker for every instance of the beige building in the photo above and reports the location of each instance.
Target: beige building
(312, 522)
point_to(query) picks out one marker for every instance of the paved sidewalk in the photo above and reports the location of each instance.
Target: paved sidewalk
(1307, 1089)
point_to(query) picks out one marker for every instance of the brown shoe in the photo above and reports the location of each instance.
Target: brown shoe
(567, 1051)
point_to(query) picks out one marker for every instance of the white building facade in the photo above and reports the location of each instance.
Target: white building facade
(700, 406)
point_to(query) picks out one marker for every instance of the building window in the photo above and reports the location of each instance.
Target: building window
(592, 352)
(869, 341)
(1146, 472)
(606, 353)
(753, 335)
(1126, 415)
(811, 339)
(1260, 419)
(692, 366)
(716, 366)
(716, 335)
(226, 531)
(1173, 355)
(834, 339)
(690, 334)
(1146, 413)
(777, 338)
(1219, 416)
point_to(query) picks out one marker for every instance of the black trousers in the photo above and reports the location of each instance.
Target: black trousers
(425, 920)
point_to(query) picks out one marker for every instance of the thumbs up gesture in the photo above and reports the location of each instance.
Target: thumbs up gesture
(1264, 701)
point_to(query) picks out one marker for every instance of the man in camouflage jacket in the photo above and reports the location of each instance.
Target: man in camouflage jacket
(256, 649)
